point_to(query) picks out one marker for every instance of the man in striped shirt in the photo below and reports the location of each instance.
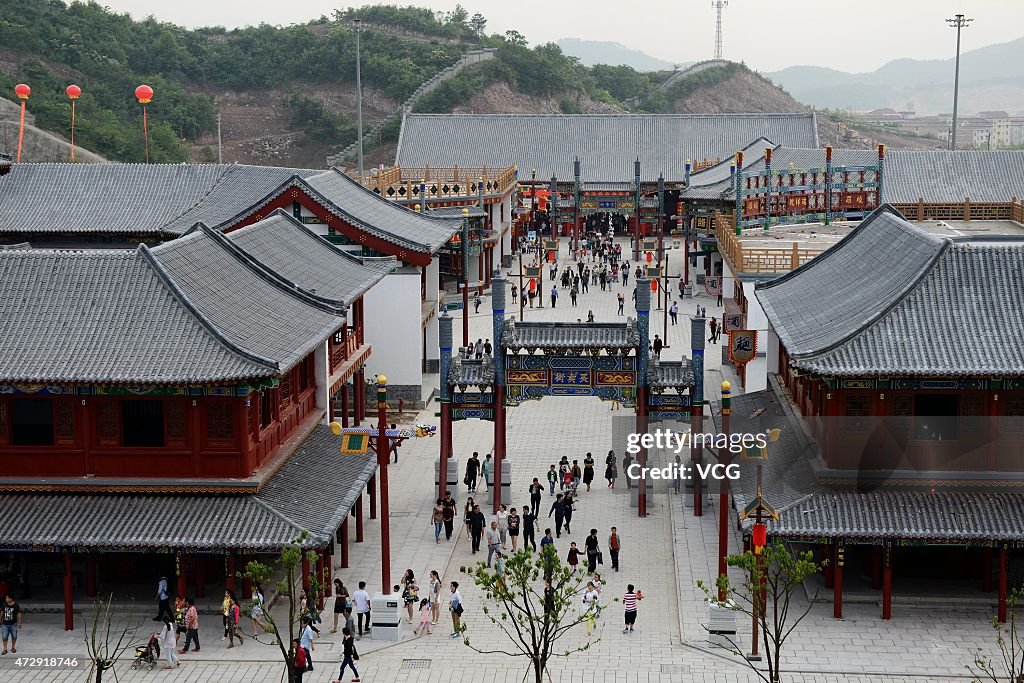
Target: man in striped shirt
(629, 603)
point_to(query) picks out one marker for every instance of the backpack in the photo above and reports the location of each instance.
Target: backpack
(300, 658)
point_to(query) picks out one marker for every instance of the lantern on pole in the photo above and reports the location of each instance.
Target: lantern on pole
(654, 285)
(22, 91)
(760, 536)
(144, 94)
(650, 257)
(73, 92)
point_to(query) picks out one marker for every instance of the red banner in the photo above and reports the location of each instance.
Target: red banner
(797, 202)
(753, 206)
(853, 200)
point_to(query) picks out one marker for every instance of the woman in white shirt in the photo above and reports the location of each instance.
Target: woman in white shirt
(591, 600)
(502, 518)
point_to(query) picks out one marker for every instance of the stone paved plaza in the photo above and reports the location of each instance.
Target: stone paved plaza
(664, 555)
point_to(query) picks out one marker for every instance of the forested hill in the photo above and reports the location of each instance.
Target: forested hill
(286, 94)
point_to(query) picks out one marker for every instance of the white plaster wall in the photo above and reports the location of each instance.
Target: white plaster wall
(772, 347)
(433, 294)
(757, 369)
(392, 320)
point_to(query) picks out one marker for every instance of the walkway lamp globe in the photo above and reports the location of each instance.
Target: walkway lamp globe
(22, 91)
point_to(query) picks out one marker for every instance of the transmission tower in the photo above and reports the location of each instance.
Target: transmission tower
(719, 5)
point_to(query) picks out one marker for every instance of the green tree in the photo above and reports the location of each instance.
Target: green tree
(288, 568)
(479, 24)
(770, 580)
(536, 602)
(1008, 666)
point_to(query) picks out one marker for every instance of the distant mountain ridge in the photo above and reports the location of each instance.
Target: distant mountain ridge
(591, 52)
(991, 77)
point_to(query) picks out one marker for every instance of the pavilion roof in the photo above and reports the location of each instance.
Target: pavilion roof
(611, 337)
(606, 144)
(301, 257)
(273, 517)
(665, 374)
(892, 300)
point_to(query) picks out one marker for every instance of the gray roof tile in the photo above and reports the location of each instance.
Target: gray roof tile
(670, 374)
(891, 300)
(302, 257)
(605, 144)
(471, 372)
(388, 220)
(943, 176)
(105, 316)
(250, 308)
(575, 336)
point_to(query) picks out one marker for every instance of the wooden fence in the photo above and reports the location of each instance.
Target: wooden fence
(750, 259)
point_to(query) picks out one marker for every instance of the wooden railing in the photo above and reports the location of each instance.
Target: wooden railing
(1017, 210)
(966, 210)
(747, 259)
(403, 184)
(341, 351)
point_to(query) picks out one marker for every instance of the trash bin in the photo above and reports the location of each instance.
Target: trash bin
(386, 616)
(453, 477)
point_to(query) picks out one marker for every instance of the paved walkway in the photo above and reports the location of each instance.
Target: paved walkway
(663, 555)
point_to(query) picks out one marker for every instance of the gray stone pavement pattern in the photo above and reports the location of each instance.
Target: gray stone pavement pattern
(664, 555)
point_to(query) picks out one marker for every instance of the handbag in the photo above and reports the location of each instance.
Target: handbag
(600, 558)
(466, 480)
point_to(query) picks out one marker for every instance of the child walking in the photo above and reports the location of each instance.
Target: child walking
(425, 619)
(573, 558)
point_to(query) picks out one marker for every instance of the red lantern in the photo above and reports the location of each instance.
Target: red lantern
(144, 94)
(760, 535)
(551, 257)
(74, 92)
(654, 285)
(650, 257)
(533, 285)
(22, 91)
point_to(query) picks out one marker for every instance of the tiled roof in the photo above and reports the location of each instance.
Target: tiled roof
(577, 336)
(472, 372)
(456, 212)
(131, 199)
(670, 374)
(905, 515)
(106, 316)
(385, 219)
(289, 503)
(250, 308)
(943, 176)
(891, 300)
(302, 257)
(606, 145)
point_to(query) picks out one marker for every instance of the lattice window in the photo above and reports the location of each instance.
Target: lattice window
(972, 413)
(106, 421)
(220, 424)
(64, 421)
(857, 411)
(175, 425)
(266, 409)
(1013, 409)
(285, 389)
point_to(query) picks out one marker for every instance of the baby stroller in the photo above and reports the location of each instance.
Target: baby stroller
(147, 655)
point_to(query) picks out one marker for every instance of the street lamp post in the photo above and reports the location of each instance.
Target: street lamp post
(958, 22)
(382, 465)
(465, 278)
(359, 109)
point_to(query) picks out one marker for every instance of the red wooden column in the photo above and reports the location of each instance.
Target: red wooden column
(887, 581)
(837, 581)
(344, 405)
(1002, 583)
(305, 573)
(499, 437)
(359, 519)
(344, 544)
(986, 569)
(69, 603)
(321, 579)
(90, 575)
(246, 581)
(641, 456)
(229, 570)
(179, 569)
(371, 488)
(445, 447)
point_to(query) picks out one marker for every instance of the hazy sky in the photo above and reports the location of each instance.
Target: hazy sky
(851, 36)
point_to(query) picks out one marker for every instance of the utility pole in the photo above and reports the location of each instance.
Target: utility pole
(719, 5)
(958, 22)
(220, 148)
(359, 97)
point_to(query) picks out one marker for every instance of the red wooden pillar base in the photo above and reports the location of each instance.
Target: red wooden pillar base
(445, 449)
(1002, 584)
(887, 582)
(69, 603)
(837, 582)
(344, 544)
(90, 575)
(371, 488)
(359, 519)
